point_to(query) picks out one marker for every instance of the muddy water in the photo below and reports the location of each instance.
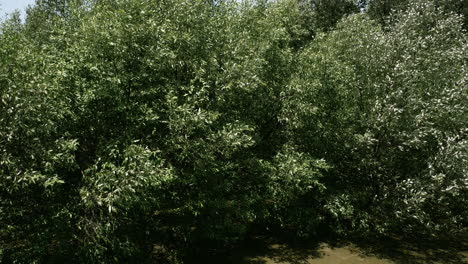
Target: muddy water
(264, 251)
(325, 254)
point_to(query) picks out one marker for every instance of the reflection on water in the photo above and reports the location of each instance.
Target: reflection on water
(323, 255)
(266, 251)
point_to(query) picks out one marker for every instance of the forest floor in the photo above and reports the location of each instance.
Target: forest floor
(261, 250)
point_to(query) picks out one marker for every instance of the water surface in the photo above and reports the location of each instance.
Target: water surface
(261, 250)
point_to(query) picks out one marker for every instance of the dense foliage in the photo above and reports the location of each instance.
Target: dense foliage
(132, 129)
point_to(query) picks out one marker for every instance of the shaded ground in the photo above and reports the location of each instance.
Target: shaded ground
(260, 250)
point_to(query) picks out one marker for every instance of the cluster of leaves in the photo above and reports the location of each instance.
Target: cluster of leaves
(130, 128)
(382, 105)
